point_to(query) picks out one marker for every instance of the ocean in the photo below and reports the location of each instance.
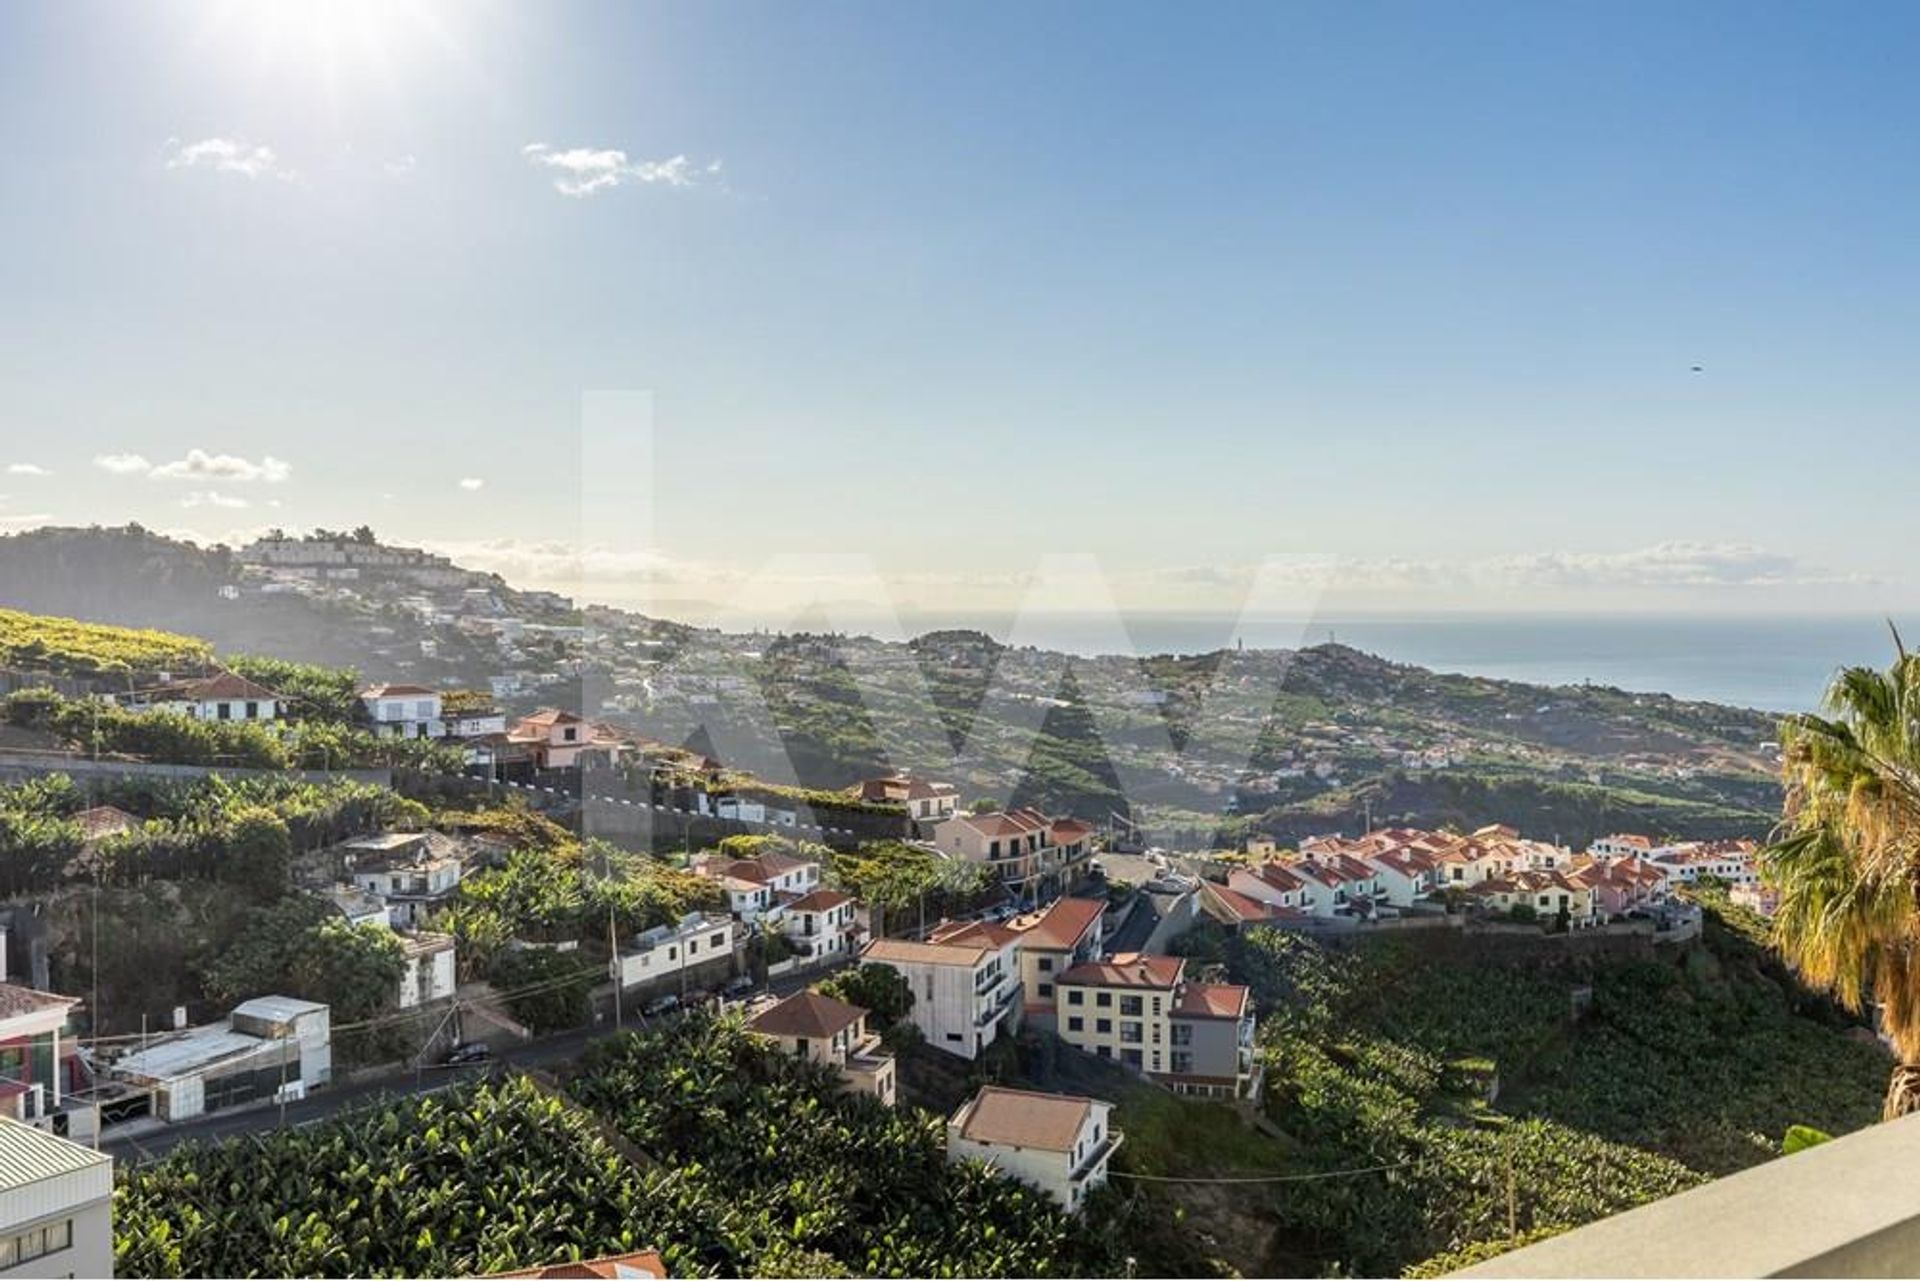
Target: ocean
(1775, 664)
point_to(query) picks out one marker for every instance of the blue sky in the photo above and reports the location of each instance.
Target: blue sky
(1417, 287)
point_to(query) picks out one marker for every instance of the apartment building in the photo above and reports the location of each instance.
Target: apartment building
(1196, 1038)
(56, 1206)
(965, 994)
(1034, 856)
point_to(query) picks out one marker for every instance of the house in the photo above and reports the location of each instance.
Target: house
(431, 969)
(1336, 885)
(640, 1265)
(1239, 911)
(358, 906)
(430, 958)
(414, 872)
(1033, 855)
(1059, 1143)
(1687, 861)
(811, 1026)
(555, 739)
(403, 711)
(39, 1065)
(271, 1046)
(820, 925)
(223, 697)
(1272, 883)
(1618, 885)
(1621, 845)
(1140, 1009)
(1406, 874)
(1546, 893)
(931, 802)
(964, 994)
(762, 884)
(695, 940)
(56, 1205)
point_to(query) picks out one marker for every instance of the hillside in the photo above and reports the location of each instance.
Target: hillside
(1197, 746)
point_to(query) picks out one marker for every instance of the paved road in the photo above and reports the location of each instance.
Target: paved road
(144, 1144)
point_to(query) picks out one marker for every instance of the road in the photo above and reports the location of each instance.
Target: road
(141, 1142)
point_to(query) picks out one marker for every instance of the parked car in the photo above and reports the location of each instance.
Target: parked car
(737, 987)
(468, 1052)
(661, 1005)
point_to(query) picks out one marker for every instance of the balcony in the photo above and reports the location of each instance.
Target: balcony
(1101, 1151)
(1849, 1208)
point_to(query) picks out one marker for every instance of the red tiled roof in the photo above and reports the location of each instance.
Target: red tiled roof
(1023, 1118)
(639, 1264)
(1127, 969)
(1211, 1001)
(908, 952)
(1245, 908)
(1065, 922)
(806, 1014)
(820, 901)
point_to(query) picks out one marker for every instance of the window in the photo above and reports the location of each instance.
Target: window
(1046, 965)
(1075, 996)
(1103, 999)
(1130, 1033)
(1130, 1006)
(1046, 989)
(225, 711)
(1103, 1026)
(953, 1036)
(35, 1243)
(1076, 1024)
(717, 939)
(1130, 1057)
(253, 711)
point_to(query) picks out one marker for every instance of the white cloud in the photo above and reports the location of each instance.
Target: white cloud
(472, 483)
(200, 465)
(401, 166)
(587, 171)
(27, 469)
(122, 464)
(212, 498)
(226, 155)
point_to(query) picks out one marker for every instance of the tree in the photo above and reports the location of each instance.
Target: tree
(544, 989)
(880, 990)
(1846, 862)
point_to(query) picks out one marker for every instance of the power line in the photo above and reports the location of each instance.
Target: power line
(1260, 1178)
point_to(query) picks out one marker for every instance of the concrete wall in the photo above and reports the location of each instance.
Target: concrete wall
(1849, 1208)
(17, 765)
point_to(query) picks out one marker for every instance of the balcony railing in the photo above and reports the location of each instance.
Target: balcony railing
(1849, 1208)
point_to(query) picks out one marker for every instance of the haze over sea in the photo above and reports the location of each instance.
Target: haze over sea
(1773, 663)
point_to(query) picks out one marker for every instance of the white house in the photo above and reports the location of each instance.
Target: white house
(56, 1206)
(405, 711)
(763, 883)
(821, 924)
(964, 994)
(225, 697)
(414, 872)
(1271, 883)
(1059, 1143)
(1405, 875)
(697, 938)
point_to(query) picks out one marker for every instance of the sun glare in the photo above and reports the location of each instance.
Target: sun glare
(336, 42)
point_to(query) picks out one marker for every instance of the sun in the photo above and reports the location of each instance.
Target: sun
(336, 42)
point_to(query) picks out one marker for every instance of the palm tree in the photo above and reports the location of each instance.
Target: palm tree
(1846, 861)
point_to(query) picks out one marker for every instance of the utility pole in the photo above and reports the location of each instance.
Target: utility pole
(1513, 1193)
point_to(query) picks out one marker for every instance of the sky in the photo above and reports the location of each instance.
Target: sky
(1411, 307)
